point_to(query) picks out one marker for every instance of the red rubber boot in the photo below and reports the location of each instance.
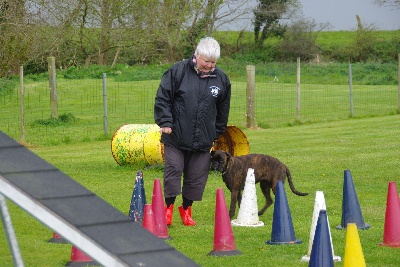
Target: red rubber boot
(168, 213)
(186, 216)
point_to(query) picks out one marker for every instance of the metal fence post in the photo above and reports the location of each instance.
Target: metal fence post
(351, 91)
(250, 95)
(53, 86)
(298, 90)
(22, 100)
(105, 104)
(398, 84)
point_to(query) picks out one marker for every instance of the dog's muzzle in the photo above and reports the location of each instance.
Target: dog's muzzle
(214, 165)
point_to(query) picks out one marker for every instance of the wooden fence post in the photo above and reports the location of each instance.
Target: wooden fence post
(51, 65)
(250, 94)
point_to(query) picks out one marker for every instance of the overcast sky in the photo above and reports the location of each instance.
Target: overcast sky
(341, 14)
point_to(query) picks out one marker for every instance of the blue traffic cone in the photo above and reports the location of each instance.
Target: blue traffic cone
(138, 201)
(282, 226)
(351, 211)
(321, 252)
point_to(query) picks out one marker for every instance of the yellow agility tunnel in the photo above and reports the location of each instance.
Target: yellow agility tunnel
(134, 143)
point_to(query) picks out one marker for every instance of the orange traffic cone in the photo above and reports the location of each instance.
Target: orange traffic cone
(391, 236)
(78, 259)
(224, 243)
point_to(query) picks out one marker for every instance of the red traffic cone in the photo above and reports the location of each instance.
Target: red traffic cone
(391, 236)
(58, 239)
(157, 205)
(78, 259)
(148, 219)
(224, 243)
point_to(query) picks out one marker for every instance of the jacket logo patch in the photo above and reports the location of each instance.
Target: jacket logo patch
(214, 90)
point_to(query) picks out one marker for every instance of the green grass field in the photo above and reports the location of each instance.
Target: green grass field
(317, 149)
(317, 155)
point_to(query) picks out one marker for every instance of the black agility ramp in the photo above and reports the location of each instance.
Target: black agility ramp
(91, 224)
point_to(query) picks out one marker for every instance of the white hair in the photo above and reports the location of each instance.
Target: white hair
(209, 48)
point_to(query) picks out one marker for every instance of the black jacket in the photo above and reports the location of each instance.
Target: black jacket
(196, 108)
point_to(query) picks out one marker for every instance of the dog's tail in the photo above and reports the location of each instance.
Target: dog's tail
(294, 190)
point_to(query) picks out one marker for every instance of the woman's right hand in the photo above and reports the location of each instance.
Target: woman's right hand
(166, 130)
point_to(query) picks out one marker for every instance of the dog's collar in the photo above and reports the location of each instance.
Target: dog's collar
(227, 166)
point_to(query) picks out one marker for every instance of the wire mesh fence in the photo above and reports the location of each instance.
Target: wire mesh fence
(81, 114)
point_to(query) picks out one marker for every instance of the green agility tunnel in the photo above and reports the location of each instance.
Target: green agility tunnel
(135, 143)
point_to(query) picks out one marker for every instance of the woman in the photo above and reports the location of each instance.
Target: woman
(191, 107)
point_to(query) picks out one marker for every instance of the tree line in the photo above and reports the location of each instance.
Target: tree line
(107, 32)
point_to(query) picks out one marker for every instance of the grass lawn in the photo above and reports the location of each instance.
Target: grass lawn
(317, 155)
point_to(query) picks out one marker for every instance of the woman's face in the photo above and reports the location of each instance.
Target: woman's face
(205, 64)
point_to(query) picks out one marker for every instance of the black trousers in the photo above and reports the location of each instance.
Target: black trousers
(193, 165)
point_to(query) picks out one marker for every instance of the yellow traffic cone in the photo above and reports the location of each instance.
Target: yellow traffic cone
(353, 255)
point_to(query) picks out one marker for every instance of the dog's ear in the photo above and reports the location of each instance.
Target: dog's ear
(228, 156)
(212, 152)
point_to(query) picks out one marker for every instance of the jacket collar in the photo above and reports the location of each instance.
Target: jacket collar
(193, 64)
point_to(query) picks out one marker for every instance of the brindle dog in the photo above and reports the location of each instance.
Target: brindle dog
(267, 171)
